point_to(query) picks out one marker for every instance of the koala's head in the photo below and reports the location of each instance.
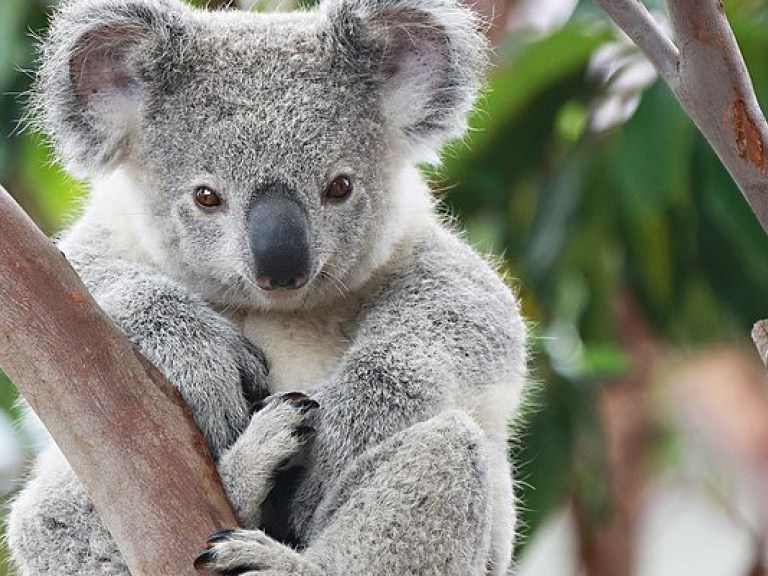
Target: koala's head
(269, 154)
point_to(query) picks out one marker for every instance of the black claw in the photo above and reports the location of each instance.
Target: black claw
(294, 397)
(303, 432)
(204, 558)
(219, 536)
(257, 406)
(306, 405)
(297, 399)
(240, 571)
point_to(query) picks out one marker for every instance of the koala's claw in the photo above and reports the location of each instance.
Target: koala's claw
(204, 558)
(303, 432)
(304, 403)
(246, 552)
(307, 405)
(218, 536)
(291, 396)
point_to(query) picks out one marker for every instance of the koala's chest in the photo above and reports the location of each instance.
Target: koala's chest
(301, 351)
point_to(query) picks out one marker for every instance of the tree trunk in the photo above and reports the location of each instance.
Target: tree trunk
(123, 428)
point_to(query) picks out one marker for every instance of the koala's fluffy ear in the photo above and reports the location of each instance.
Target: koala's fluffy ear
(429, 57)
(92, 80)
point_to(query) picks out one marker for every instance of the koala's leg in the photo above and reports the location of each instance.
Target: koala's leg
(503, 513)
(416, 504)
(54, 529)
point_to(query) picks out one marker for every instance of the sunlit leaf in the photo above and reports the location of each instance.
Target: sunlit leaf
(56, 193)
(8, 395)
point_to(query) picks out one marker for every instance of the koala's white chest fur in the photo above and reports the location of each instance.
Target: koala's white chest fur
(303, 350)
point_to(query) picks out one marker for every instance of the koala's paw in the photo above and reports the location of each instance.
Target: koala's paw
(272, 442)
(252, 553)
(283, 422)
(278, 431)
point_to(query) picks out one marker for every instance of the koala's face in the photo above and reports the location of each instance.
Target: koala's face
(271, 181)
(268, 149)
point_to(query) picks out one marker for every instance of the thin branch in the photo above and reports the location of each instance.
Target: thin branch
(716, 91)
(712, 84)
(760, 338)
(122, 427)
(634, 19)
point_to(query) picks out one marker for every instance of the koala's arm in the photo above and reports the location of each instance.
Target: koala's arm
(441, 332)
(219, 373)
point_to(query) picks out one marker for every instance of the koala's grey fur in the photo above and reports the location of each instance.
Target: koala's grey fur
(411, 344)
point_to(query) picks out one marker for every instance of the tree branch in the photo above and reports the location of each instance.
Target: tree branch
(124, 429)
(634, 19)
(712, 84)
(760, 338)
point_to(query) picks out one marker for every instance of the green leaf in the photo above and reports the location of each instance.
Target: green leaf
(55, 193)
(558, 201)
(602, 361)
(656, 152)
(8, 395)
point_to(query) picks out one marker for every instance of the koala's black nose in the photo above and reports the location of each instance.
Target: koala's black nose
(279, 234)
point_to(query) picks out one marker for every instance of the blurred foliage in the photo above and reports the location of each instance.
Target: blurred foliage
(583, 218)
(579, 218)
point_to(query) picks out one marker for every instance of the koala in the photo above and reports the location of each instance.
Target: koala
(259, 228)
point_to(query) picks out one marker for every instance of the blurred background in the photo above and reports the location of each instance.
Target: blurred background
(644, 446)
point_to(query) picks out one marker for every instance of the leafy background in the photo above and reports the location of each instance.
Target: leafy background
(640, 267)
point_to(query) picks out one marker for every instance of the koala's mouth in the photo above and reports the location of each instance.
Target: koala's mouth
(282, 289)
(281, 298)
(281, 285)
(321, 280)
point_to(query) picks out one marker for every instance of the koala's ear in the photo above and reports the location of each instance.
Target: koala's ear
(429, 57)
(95, 64)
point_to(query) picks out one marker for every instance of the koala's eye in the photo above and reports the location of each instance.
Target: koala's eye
(339, 189)
(207, 198)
